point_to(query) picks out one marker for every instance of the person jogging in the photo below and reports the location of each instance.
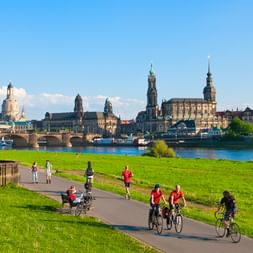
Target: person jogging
(126, 177)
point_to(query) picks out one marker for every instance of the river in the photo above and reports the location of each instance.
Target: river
(209, 153)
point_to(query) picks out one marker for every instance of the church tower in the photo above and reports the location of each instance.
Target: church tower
(209, 91)
(78, 104)
(108, 107)
(10, 107)
(152, 107)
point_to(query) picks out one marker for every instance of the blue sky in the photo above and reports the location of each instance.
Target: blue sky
(53, 49)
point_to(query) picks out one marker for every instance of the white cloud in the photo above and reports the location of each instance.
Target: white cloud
(36, 105)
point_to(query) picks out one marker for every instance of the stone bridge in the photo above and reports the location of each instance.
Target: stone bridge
(49, 139)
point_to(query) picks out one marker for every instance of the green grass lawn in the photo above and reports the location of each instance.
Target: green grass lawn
(202, 180)
(31, 223)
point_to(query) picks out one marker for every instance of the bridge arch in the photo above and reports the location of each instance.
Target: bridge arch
(49, 140)
(18, 140)
(76, 140)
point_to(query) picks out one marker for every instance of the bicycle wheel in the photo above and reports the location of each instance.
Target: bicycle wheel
(235, 233)
(169, 223)
(219, 227)
(178, 223)
(150, 221)
(159, 224)
(79, 209)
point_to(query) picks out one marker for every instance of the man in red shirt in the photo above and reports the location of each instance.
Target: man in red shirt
(156, 195)
(174, 198)
(127, 176)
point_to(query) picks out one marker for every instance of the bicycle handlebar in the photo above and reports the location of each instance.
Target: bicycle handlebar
(216, 214)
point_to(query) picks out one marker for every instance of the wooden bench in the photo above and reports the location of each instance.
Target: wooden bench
(66, 199)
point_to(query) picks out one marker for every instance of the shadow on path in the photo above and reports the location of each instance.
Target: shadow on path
(103, 197)
(190, 237)
(130, 228)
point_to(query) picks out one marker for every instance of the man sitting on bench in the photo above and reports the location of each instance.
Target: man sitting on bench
(71, 194)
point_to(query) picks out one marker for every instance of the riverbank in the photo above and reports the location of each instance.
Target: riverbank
(202, 180)
(246, 143)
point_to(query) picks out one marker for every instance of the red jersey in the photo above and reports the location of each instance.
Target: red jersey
(71, 195)
(127, 174)
(176, 196)
(156, 196)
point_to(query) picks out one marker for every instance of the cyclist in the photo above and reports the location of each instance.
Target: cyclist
(174, 198)
(89, 174)
(156, 195)
(230, 205)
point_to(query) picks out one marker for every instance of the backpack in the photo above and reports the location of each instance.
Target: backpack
(232, 202)
(89, 172)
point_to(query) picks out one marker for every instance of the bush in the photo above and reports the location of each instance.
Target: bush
(160, 149)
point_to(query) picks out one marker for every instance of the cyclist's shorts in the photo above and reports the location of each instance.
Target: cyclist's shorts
(127, 184)
(229, 213)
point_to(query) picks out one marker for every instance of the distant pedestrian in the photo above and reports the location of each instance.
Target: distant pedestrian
(35, 173)
(127, 176)
(48, 167)
(89, 175)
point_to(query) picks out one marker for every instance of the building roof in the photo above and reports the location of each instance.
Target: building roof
(93, 115)
(186, 123)
(186, 100)
(61, 116)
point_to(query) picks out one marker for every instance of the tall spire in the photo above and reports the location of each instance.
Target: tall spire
(209, 64)
(151, 72)
(152, 107)
(209, 90)
(209, 79)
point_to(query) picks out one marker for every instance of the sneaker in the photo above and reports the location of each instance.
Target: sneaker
(228, 233)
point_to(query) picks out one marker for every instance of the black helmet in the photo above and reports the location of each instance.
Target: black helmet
(226, 193)
(157, 186)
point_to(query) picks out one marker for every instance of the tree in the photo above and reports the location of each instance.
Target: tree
(238, 128)
(160, 149)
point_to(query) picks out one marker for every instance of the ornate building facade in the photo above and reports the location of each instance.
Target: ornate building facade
(102, 123)
(72, 121)
(201, 110)
(91, 123)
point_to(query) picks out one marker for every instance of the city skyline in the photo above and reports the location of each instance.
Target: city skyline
(51, 51)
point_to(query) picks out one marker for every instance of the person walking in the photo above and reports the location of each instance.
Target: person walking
(126, 177)
(48, 167)
(35, 173)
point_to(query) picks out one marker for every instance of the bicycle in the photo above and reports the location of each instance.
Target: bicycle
(176, 219)
(155, 219)
(84, 205)
(234, 228)
(88, 185)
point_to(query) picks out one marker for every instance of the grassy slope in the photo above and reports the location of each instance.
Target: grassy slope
(30, 223)
(202, 180)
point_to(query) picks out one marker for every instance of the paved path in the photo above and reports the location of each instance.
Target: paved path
(131, 217)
